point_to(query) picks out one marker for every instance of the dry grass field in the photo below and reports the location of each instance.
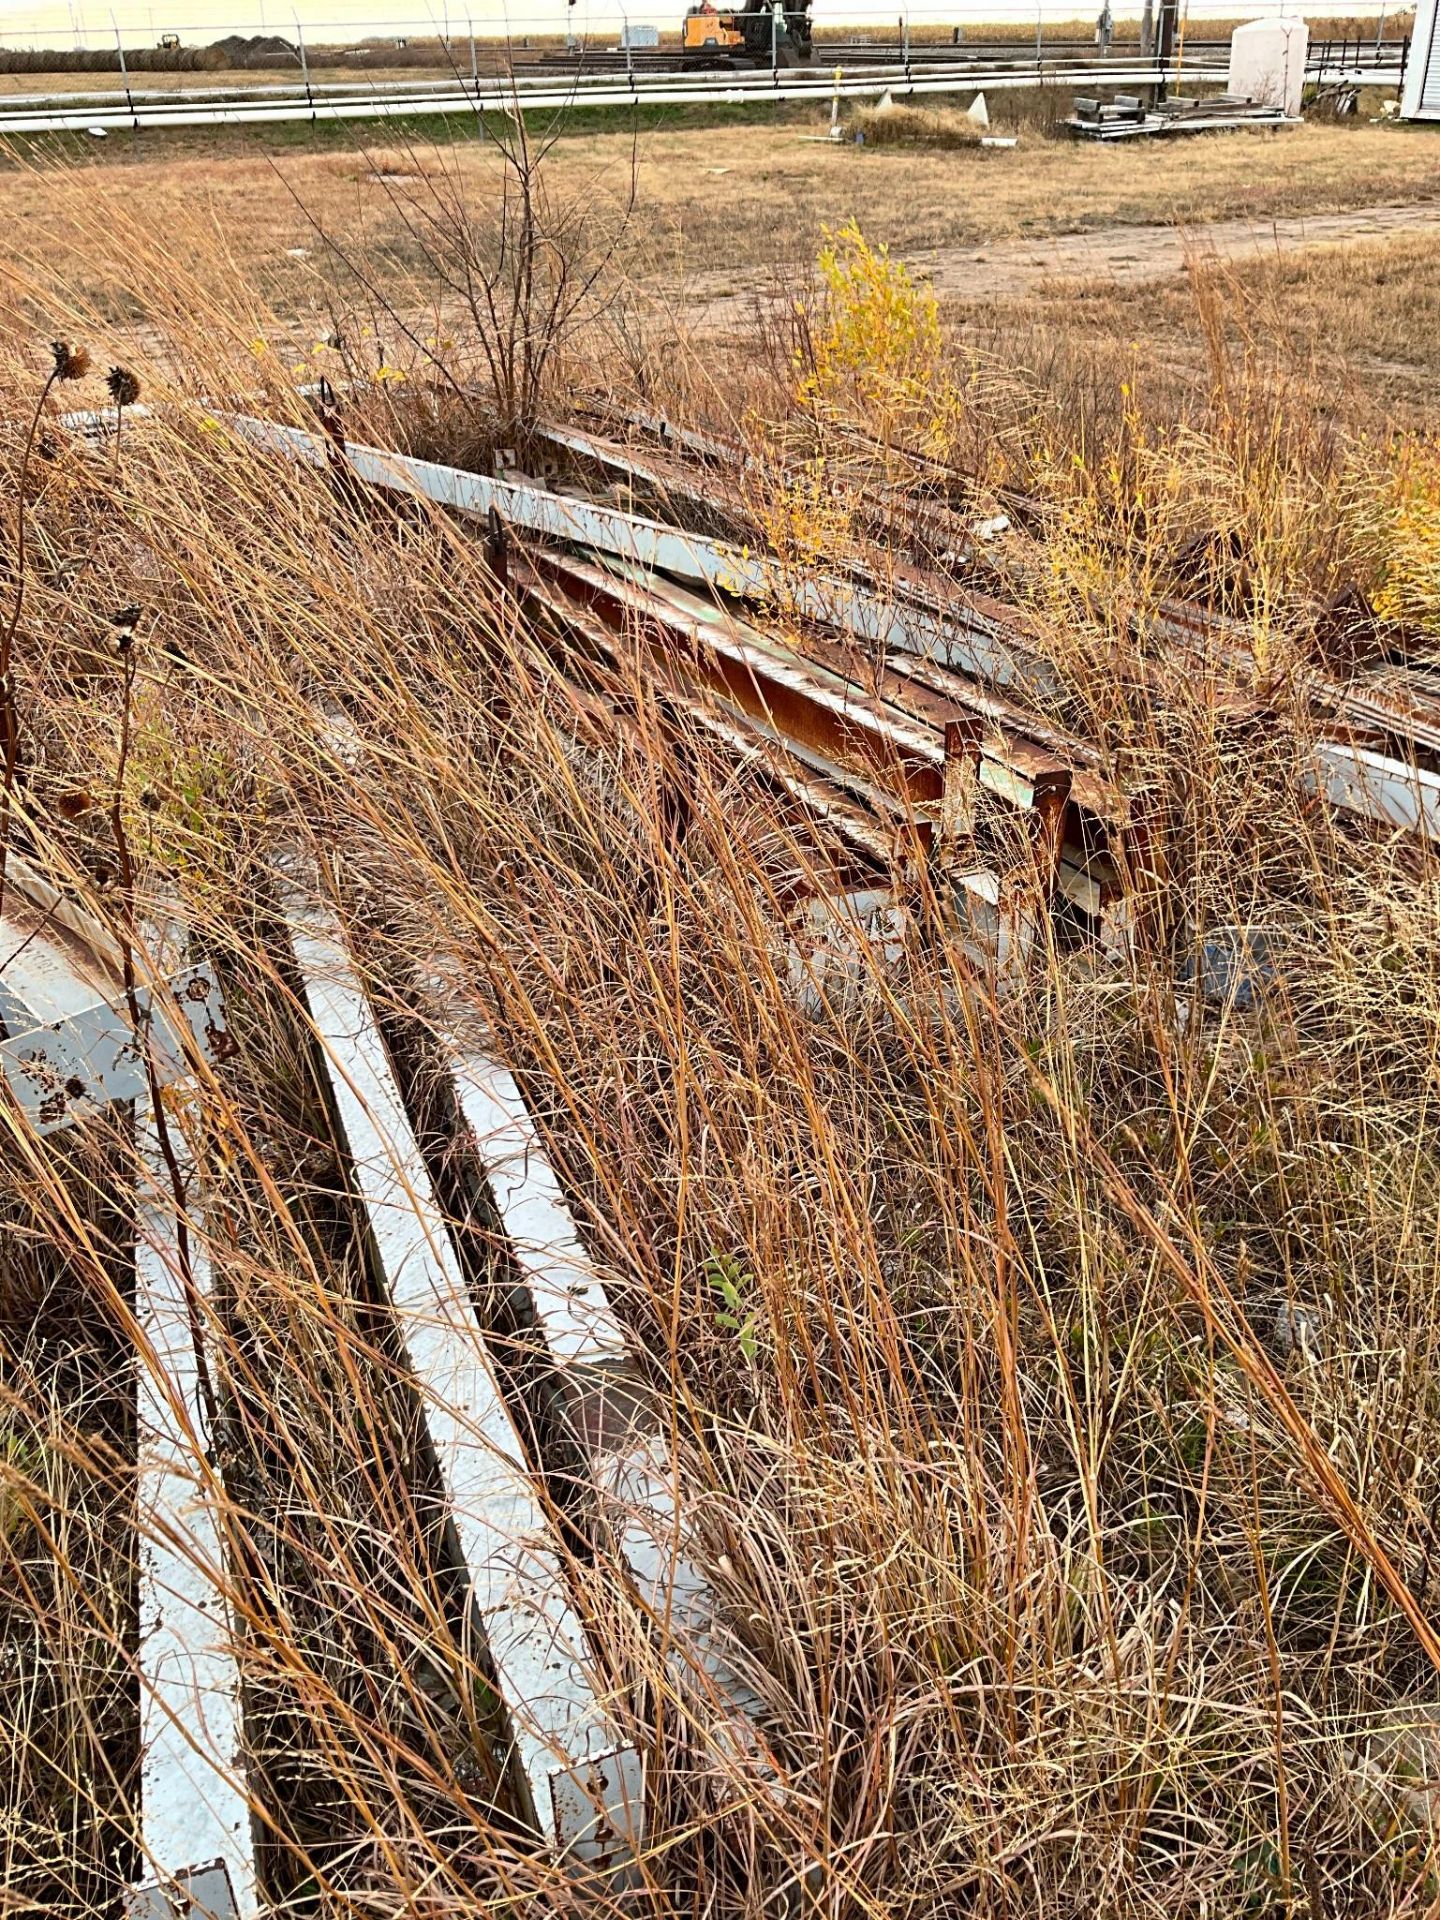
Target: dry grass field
(264, 201)
(1055, 1370)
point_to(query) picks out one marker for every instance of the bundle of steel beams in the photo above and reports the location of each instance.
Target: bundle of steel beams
(904, 715)
(910, 719)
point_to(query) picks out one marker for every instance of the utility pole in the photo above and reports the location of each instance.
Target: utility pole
(1165, 40)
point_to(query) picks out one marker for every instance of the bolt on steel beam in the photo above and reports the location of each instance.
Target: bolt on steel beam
(584, 1787)
(196, 1836)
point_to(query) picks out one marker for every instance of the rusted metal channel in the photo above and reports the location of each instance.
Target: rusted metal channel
(875, 836)
(1087, 837)
(866, 824)
(980, 646)
(921, 764)
(918, 746)
(832, 773)
(986, 642)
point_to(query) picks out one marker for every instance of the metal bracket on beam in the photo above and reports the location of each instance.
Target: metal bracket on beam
(70, 1047)
(200, 1893)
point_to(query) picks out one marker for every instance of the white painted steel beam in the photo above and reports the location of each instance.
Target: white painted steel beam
(569, 1301)
(69, 1046)
(71, 1049)
(1388, 791)
(195, 1834)
(975, 647)
(586, 1791)
(610, 1409)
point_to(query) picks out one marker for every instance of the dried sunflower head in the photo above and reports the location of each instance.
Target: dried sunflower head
(71, 363)
(124, 386)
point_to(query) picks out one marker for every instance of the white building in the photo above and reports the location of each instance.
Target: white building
(1420, 96)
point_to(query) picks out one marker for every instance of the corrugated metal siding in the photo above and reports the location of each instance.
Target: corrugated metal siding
(1420, 99)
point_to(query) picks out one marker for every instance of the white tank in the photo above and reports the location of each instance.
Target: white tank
(1267, 62)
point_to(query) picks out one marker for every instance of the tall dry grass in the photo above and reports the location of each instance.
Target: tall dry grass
(1064, 1435)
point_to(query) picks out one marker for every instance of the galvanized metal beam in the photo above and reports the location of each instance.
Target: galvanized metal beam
(610, 1408)
(72, 1049)
(70, 1046)
(585, 1787)
(978, 647)
(1377, 788)
(196, 1835)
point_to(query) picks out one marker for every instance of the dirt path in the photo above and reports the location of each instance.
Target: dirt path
(1131, 254)
(1006, 269)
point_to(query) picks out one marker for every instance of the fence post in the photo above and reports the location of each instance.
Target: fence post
(304, 68)
(125, 76)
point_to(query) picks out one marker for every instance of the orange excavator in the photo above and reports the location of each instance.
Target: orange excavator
(763, 33)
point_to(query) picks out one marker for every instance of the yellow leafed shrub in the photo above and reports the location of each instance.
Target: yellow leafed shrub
(1410, 535)
(875, 343)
